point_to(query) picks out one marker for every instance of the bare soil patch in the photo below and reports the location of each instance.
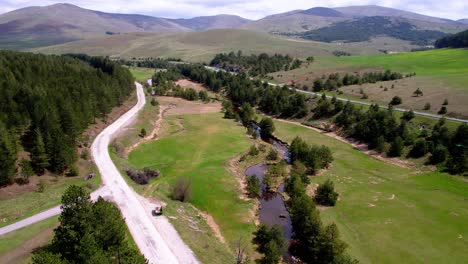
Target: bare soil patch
(188, 107)
(189, 84)
(212, 223)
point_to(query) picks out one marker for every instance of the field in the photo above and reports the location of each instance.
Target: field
(202, 46)
(141, 74)
(200, 151)
(440, 74)
(388, 214)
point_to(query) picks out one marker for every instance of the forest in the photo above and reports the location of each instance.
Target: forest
(48, 101)
(255, 65)
(365, 28)
(459, 40)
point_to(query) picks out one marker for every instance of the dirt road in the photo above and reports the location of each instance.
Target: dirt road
(157, 239)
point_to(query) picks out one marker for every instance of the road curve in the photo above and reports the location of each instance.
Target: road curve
(147, 238)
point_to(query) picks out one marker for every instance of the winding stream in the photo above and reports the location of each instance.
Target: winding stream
(272, 210)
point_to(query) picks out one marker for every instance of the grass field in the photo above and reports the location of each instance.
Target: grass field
(389, 214)
(440, 74)
(200, 152)
(202, 46)
(141, 74)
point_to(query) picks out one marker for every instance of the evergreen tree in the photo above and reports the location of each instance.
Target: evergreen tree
(8, 156)
(39, 158)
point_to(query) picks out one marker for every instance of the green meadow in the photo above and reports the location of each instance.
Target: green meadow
(389, 214)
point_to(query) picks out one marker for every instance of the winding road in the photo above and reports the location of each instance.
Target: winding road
(157, 239)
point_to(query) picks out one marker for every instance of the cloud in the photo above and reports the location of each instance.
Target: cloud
(253, 9)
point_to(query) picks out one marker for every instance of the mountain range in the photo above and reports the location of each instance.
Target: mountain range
(60, 23)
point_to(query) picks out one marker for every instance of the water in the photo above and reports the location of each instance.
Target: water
(272, 209)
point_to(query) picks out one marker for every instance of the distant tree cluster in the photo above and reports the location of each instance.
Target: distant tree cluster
(255, 65)
(88, 233)
(313, 157)
(334, 80)
(48, 101)
(459, 40)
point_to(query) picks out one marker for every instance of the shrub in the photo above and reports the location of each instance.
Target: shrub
(442, 111)
(427, 106)
(142, 176)
(73, 171)
(154, 102)
(142, 133)
(272, 155)
(439, 154)
(419, 149)
(396, 100)
(408, 115)
(253, 186)
(182, 190)
(325, 194)
(253, 151)
(445, 102)
(396, 148)
(26, 170)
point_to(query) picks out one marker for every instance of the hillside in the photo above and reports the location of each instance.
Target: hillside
(459, 40)
(212, 22)
(193, 46)
(42, 26)
(305, 20)
(363, 29)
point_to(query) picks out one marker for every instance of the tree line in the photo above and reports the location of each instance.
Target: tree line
(459, 40)
(255, 65)
(382, 131)
(335, 81)
(240, 89)
(48, 101)
(88, 233)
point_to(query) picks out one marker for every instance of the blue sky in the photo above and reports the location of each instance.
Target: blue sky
(253, 9)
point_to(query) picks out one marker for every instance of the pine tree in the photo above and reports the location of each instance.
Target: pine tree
(8, 156)
(39, 158)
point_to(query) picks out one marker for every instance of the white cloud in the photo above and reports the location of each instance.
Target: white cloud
(453, 9)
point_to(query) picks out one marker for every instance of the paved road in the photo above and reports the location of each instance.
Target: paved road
(135, 209)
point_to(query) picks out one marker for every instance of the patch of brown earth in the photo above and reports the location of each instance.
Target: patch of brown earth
(212, 223)
(189, 84)
(188, 107)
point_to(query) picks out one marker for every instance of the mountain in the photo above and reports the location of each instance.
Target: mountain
(211, 22)
(59, 23)
(298, 21)
(463, 21)
(363, 29)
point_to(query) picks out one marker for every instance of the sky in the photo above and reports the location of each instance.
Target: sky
(252, 9)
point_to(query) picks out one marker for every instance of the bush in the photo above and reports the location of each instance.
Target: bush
(253, 186)
(26, 170)
(408, 115)
(396, 148)
(442, 111)
(253, 151)
(420, 148)
(142, 133)
(154, 102)
(73, 171)
(439, 154)
(427, 106)
(325, 194)
(445, 102)
(142, 176)
(272, 155)
(182, 190)
(396, 100)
